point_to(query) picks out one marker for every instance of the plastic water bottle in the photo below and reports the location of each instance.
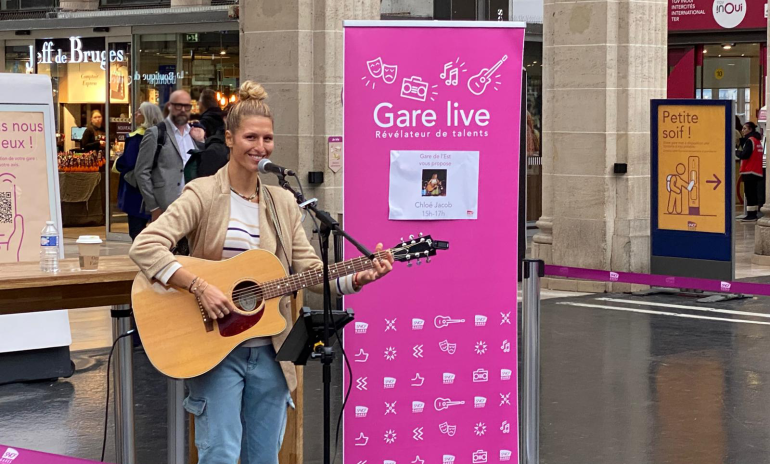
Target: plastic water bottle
(49, 248)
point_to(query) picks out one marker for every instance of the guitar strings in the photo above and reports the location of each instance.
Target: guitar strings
(294, 279)
(270, 286)
(307, 275)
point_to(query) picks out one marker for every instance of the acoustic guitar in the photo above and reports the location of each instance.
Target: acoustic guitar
(182, 342)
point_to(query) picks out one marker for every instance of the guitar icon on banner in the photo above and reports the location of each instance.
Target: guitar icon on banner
(478, 83)
(442, 404)
(442, 322)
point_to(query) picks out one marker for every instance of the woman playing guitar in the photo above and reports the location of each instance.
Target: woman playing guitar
(240, 405)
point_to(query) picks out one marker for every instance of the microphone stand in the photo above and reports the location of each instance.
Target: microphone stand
(325, 352)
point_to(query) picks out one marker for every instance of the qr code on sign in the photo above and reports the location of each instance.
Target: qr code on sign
(6, 208)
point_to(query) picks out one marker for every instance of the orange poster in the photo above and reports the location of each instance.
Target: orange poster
(691, 167)
(24, 184)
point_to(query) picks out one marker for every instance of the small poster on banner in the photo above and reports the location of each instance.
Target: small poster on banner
(432, 185)
(335, 153)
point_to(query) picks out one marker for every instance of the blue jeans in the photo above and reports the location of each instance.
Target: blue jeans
(240, 408)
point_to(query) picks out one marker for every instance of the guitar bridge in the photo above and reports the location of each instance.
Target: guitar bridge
(207, 323)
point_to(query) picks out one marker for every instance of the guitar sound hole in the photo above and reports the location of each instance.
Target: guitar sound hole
(247, 296)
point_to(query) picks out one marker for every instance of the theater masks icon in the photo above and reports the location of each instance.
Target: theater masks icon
(375, 67)
(389, 73)
(447, 429)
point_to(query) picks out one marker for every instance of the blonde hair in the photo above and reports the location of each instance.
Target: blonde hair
(251, 102)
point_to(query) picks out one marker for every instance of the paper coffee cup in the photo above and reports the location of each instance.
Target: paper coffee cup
(88, 248)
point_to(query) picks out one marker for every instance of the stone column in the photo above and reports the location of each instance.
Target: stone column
(762, 230)
(294, 49)
(603, 62)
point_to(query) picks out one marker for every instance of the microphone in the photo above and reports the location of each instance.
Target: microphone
(266, 166)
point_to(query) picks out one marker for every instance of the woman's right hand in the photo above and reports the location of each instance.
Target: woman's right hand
(215, 303)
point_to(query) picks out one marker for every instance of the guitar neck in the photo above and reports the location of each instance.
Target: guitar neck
(280, 287)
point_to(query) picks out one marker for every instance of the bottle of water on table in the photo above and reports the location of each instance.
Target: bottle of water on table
(49, 248)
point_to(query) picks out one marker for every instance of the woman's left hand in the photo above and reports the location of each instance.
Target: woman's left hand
(381, 267)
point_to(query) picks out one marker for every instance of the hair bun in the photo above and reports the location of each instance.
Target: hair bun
(251, 90)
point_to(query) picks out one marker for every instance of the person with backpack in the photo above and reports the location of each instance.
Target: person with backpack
(129, 196)
(163, 154)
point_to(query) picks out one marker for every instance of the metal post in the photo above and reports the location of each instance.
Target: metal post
(530, 441)
(176, 425)
(125, 448)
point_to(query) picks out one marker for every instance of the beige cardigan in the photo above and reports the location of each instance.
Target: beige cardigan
(202, 213)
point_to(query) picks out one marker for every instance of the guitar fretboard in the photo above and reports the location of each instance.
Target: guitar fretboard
(280, 287)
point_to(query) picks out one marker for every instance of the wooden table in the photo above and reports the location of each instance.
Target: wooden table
(24, 288)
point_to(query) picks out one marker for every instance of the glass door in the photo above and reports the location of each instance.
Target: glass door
(118, 126)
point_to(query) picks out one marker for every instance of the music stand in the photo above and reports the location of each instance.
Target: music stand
(307, 333)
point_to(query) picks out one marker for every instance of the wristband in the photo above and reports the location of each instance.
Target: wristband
(198, 286)
(189, 289)
(356, 287)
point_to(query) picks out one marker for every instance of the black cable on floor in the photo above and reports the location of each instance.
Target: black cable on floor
(107, 404)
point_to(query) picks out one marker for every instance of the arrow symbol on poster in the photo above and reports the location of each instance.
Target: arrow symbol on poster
(716, 181)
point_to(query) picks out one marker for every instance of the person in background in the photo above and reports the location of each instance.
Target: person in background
(129, 197)
(160, 171)
(212, 118)
(737, 136)
(93, 137)
(750, 155)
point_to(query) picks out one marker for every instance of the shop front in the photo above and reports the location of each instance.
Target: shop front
(99, 79)
(717, 50)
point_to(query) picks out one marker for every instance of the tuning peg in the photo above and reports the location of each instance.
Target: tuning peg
(408, 264)
(408, 257)
(418, 261)
(427, 260)
(420, 234)
(411, 237)
(402, 239)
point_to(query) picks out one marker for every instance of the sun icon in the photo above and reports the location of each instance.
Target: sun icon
(481, 347)
(480, 429)
(390, 436)
(390, 353)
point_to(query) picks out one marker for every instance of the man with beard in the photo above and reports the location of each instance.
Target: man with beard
(163, 153)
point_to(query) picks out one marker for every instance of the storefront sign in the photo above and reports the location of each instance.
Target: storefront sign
(692, 187)
(704, 15)
(48, 54)
(431, 123)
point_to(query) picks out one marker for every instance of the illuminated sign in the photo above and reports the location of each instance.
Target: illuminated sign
(49, 55)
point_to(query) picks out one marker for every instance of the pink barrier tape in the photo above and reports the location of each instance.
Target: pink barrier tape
(652, 280)
(10, 455)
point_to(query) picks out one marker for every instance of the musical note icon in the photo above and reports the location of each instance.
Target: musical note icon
(451, 72)
(453, 77)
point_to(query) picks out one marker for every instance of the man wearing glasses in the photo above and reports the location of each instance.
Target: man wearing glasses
(163, 153)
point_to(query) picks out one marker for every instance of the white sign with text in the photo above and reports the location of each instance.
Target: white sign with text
(430, 185)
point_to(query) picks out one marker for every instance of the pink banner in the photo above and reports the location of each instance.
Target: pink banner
(10, 455)
(432, 115)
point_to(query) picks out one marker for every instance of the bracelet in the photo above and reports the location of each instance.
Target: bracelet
(203, 290)
(194, 290)
(189, 289)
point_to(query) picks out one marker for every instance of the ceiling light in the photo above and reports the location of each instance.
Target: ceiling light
(743, 54)
(223, 52)
(727, 46)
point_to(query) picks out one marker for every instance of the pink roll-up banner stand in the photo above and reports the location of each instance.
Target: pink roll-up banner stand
(431, 134)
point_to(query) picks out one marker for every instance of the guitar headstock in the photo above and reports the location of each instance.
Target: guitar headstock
(417, 248)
